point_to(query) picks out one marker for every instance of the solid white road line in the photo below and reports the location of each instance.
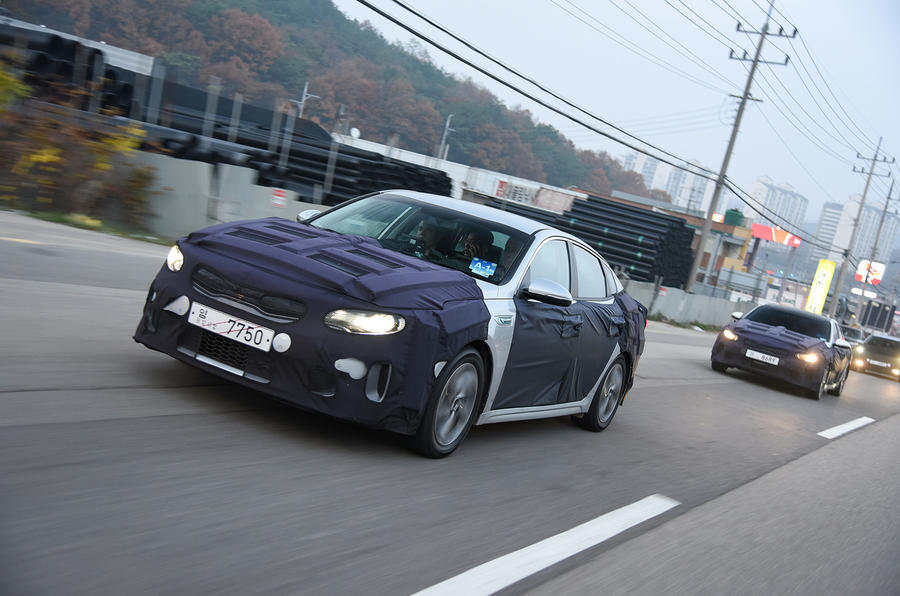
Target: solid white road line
(504, 571)
(841, 429)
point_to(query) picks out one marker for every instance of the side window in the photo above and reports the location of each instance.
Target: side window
(589, 274)
(551, 262)
(612, 281)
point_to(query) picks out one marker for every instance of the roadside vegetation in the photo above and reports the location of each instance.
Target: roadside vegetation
(57, 160)
(393, 93)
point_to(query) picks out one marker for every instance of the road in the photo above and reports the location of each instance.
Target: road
(125, 471)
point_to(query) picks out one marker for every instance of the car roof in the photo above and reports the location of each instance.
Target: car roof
(529, 226)
(796, 311)
(883, 336)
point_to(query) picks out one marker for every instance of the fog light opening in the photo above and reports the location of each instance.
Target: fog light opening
(378, 382)
(180, 306)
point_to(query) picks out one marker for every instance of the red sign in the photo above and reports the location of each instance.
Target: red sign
(774, 235)
(501, 188)
(875, 272)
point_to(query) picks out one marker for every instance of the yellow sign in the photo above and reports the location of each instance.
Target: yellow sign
(815, 302)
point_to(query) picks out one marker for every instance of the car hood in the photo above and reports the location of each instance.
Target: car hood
(780, 337)
(356, 266)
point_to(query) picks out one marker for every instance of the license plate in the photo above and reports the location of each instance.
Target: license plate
(879, 363)
(230, 326)
(767, 358)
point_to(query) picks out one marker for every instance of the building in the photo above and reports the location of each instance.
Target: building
(782, 203)
(687, 190)
(826, 230)
(868, 229)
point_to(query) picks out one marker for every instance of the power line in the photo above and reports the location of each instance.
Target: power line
(841, 141)
(632, 47)
(858, 133)
(693, 168)
(794, 121)
(671, 116)
(797, 159)
(729, 41)
(693, 57)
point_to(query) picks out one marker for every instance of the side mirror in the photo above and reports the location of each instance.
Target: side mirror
(305, 216)
(842, 343)
(549, 292)
(736, 315)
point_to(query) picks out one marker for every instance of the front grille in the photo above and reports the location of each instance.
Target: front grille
(224, 350)
(214, 284)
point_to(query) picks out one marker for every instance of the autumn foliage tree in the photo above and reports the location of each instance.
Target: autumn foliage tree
(268, 49)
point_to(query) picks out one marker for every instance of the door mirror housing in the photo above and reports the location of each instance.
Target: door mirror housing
(306, 215)
(842, 343)
(549, 292)
(737, 315)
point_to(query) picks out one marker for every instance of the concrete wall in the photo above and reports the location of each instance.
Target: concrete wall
(189, 195)
(682, 307)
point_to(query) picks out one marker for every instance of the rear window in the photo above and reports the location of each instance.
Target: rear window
(811, 326)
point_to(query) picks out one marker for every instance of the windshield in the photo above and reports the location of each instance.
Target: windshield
(797, 322)
(482, 249)
(852, 333)
(883, 345)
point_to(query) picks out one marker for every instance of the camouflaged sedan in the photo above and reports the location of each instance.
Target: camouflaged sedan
(403, 311)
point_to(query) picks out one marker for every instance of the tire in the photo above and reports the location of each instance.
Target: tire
(452, 406)
(606, 400)
(839, 388)
(819, 392)
(718, 366)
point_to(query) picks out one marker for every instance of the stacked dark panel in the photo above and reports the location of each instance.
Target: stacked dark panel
(643, 243)
(55, 67)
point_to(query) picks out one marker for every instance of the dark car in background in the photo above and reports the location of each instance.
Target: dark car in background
(879, 354)
(403, 311)
(788, 344)
(853, 335)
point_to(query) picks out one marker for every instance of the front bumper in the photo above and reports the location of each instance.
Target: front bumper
(391, 394)
(875, 366)
(789, 369)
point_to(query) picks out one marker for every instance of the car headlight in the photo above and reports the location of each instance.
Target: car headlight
(174, 260)
(729, 334)
(809, 357)
(896, 371)
(859, 362)
(363, 322)
(860, 349)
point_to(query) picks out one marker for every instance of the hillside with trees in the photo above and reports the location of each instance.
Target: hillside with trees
(268, 49)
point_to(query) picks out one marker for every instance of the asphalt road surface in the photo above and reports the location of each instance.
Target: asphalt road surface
(123, 471)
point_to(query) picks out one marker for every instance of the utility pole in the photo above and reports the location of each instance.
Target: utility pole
(447, 131)
(865, 281)
(288, 136)
(720, 179)
(862, 203)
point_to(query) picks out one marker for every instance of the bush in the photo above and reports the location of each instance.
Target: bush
(56, 159)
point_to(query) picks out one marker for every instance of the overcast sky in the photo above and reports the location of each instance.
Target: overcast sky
(675, 95)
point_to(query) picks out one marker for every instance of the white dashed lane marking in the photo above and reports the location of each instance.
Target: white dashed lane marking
(504, 571)
(841, 429)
